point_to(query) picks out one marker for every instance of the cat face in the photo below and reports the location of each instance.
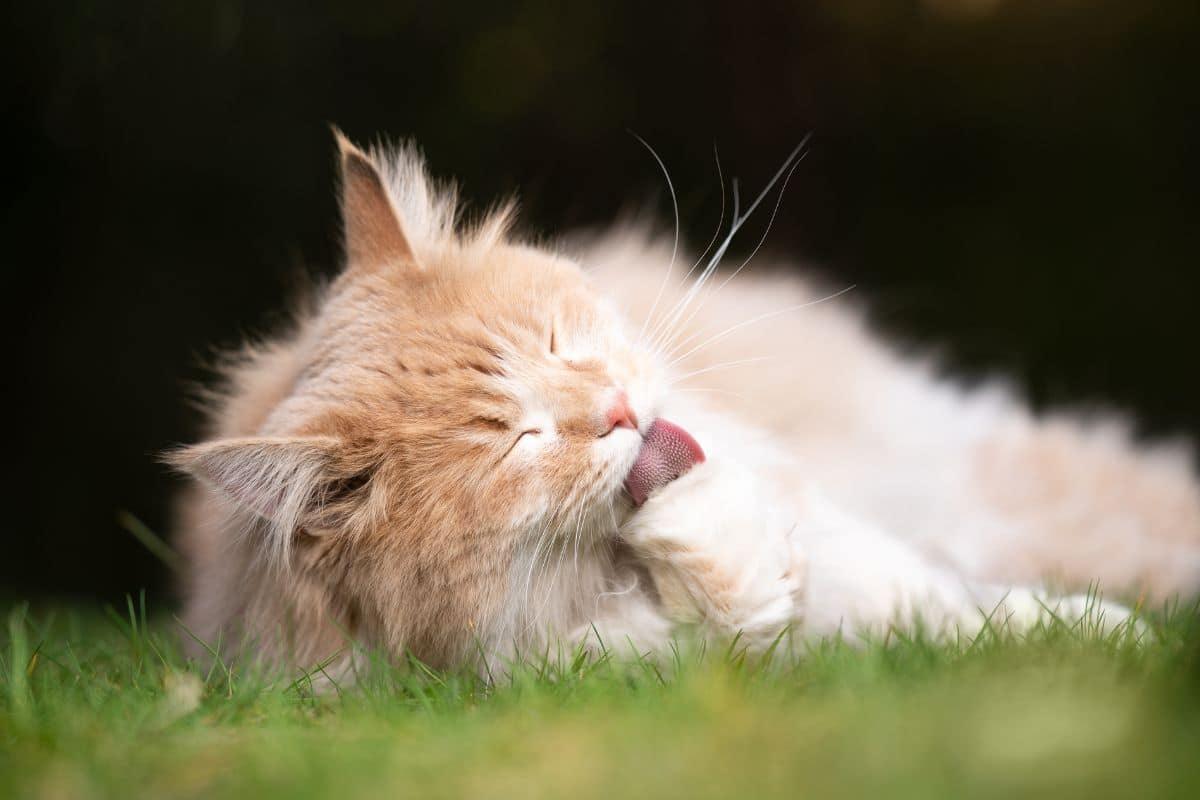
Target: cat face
(454, 402)
(493, 385)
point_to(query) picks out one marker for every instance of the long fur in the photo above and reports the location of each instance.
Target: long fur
(422, 462)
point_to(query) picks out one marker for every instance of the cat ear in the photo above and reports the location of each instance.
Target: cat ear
(374, 232)
(293, 483)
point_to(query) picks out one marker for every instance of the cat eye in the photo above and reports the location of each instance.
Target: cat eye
(553, 342)
(520, 438)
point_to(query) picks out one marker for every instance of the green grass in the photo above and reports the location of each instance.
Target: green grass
(104, 705)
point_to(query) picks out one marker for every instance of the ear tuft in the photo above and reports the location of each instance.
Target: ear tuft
(373, 230)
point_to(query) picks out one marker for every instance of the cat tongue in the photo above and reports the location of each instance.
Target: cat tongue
(667, 452)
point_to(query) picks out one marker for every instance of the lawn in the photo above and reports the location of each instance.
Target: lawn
(102, 704)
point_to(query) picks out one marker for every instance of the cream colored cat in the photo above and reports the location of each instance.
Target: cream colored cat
(474, 447)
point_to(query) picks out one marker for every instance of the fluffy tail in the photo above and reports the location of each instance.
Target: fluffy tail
(1079, 501)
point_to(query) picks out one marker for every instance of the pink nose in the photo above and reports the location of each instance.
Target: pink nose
(620, 415)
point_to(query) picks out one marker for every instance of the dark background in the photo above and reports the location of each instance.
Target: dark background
(1015, 180)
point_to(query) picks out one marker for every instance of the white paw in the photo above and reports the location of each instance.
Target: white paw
(720, 553)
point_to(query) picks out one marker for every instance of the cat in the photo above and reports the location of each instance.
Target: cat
(470, 447)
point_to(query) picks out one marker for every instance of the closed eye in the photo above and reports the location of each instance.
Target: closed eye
(521, 437)
(490, 424)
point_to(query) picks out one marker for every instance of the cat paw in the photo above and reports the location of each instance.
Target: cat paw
(720, 553)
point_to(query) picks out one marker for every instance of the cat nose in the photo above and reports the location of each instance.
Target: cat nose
(620, 415)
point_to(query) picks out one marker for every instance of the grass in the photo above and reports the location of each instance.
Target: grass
(104, 705)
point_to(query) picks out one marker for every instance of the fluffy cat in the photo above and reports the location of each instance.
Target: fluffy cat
(473, 447)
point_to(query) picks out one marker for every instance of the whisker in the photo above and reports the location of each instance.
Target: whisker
(738, 395)
(602, 595)
(578, 536)
(757, 247)
(738, 220)
(675, 247)
(759, 318)
(723, 365)
(720, 219)
(711, 242)
(670, 320)
(529, 573)
(541, 538)
(562, 556)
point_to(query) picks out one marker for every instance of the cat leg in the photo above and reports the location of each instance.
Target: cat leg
(720, 553)
(725, 558)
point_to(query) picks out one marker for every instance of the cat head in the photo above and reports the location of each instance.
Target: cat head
(456, 399)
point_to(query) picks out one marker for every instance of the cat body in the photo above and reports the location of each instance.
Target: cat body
(435, 460)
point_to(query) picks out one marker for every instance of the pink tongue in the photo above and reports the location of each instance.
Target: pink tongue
(667, 452)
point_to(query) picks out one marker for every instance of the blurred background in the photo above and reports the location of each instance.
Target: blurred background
(1012, 181)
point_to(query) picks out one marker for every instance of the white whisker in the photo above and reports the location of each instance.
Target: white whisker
(675, 247)
(754, 320)
(716, 233)
(562, 556)
(596, 603)
(720, 219)
(578, 536)
(715, 367)
(738, 220)
(711, 390)
(754, 252)
(541, 538)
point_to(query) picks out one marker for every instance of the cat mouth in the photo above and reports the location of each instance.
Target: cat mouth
(667, 452)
